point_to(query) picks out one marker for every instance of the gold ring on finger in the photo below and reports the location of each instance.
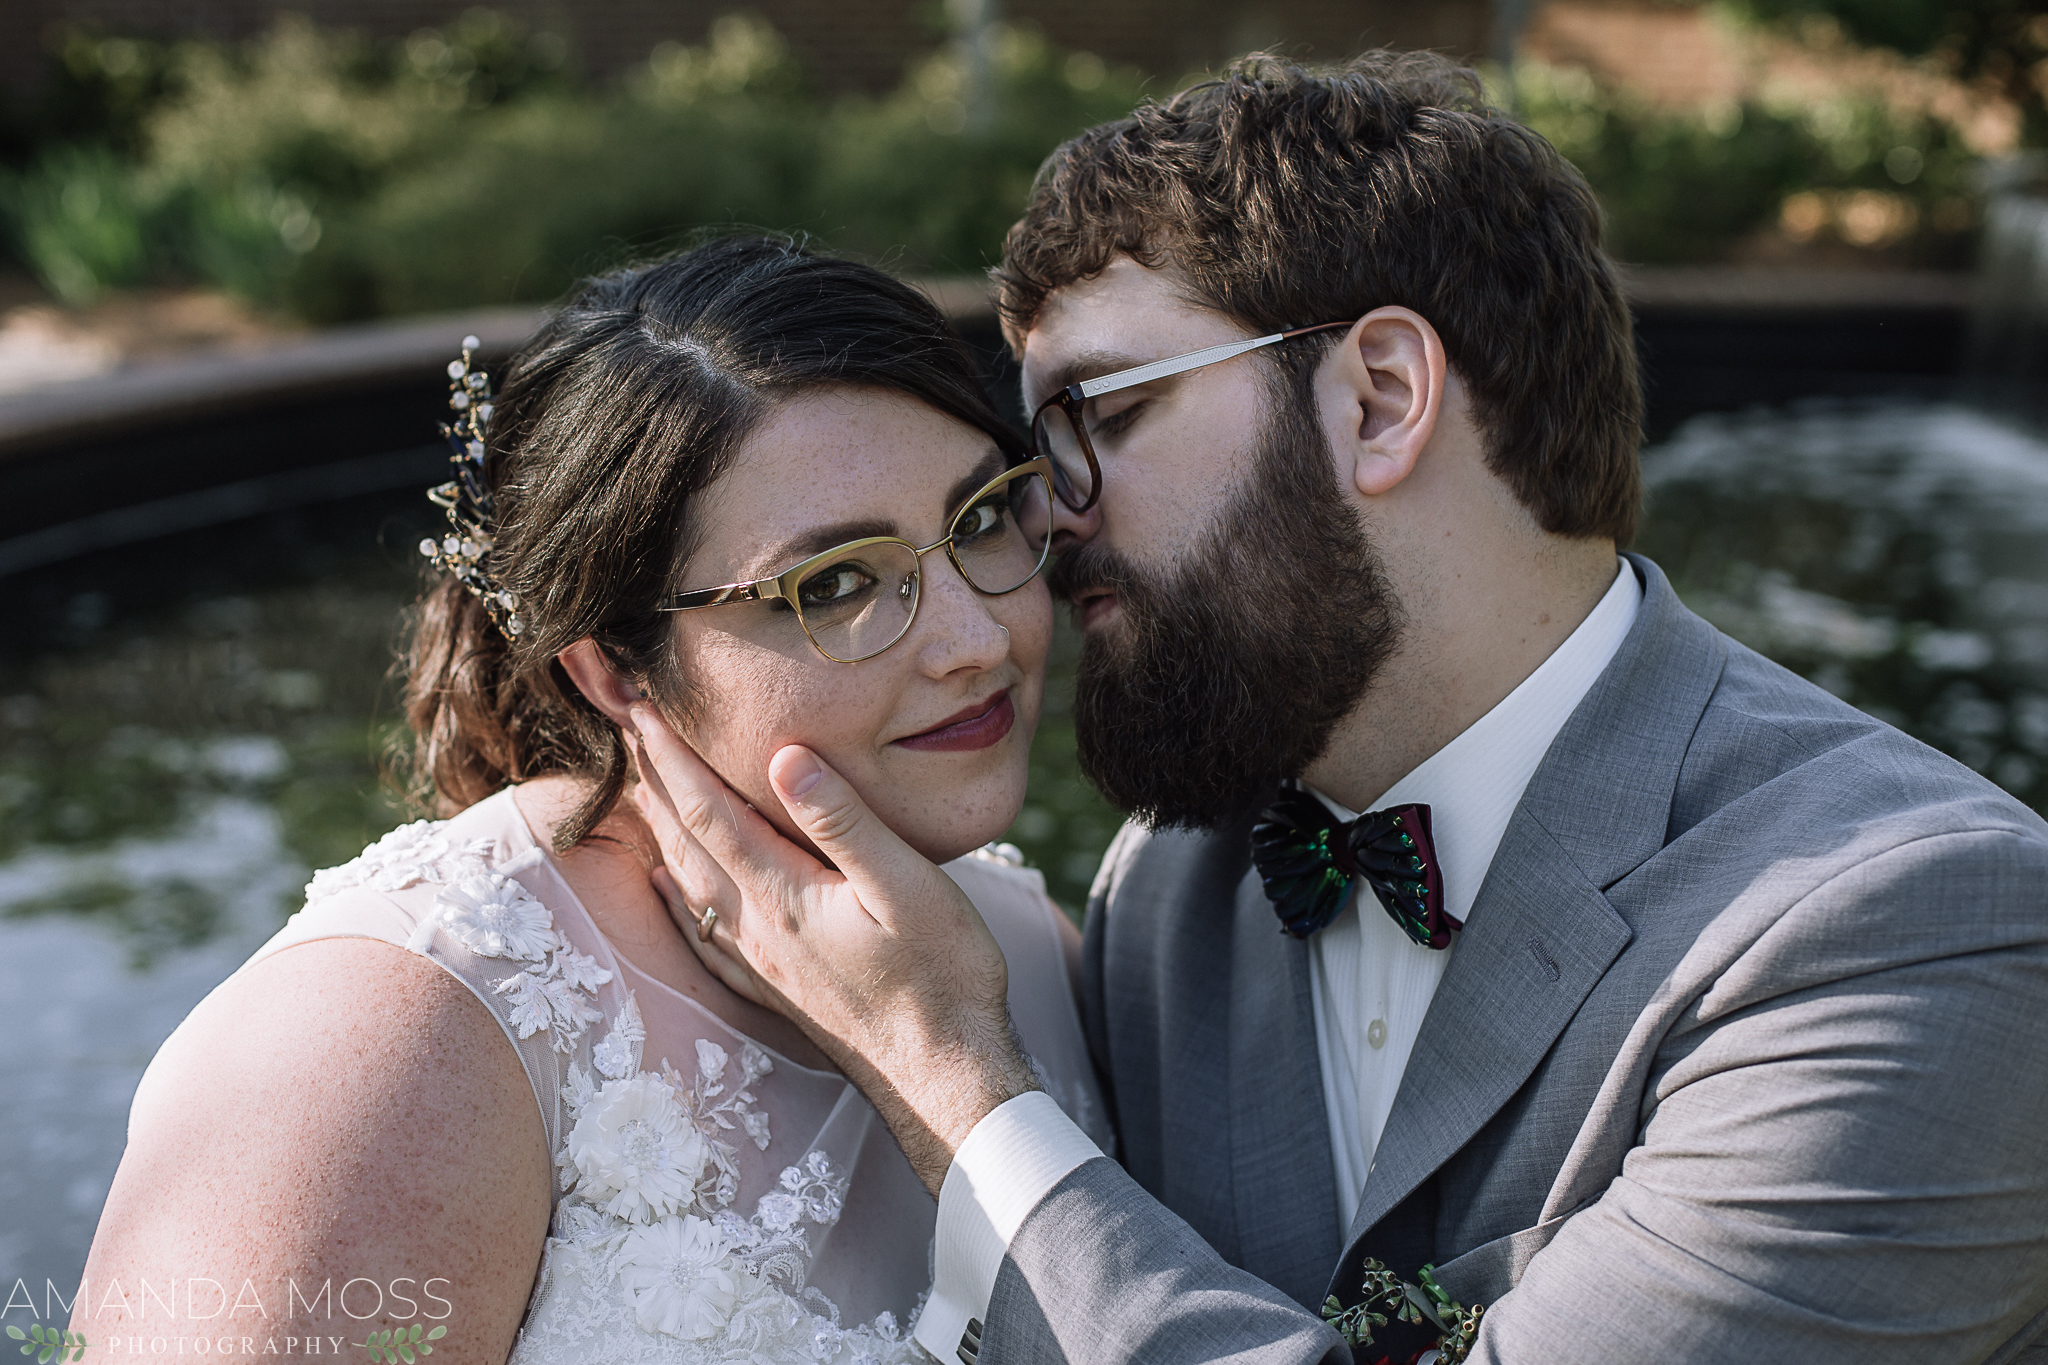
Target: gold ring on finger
(706, 922)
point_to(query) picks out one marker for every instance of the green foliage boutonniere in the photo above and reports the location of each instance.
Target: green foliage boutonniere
(1383, 1293)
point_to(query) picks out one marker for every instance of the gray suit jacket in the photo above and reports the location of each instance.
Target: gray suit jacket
(1743, 1056)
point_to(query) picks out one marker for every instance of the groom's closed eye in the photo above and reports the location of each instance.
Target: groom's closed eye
(1116, 423)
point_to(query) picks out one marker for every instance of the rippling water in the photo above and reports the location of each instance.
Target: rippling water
(1895, 554)
(200, 725)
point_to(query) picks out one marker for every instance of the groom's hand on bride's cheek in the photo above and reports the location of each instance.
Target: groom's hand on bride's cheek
(879, 957)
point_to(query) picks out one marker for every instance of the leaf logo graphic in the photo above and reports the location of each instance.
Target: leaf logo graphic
(399, 1344)
(47, 1343)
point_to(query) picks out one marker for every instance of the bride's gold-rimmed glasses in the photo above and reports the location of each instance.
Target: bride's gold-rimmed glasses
(857, 599)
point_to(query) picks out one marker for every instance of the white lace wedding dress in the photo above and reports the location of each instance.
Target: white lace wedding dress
(714, 1200)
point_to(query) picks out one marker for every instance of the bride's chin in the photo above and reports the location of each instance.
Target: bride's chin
(977, 823)
(941, 854)
(951, 818)
(945, 846)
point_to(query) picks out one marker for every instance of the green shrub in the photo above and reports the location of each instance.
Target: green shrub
(1687, 186)
(338, 178)
(518, 204)
(250, 156)
(905, 174)
(314, 171)
(77, 215)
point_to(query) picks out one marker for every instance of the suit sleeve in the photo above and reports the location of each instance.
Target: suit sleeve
(1844, 1147)
(1100, 1272)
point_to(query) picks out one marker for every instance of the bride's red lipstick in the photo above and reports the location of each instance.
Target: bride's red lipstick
(977, 727)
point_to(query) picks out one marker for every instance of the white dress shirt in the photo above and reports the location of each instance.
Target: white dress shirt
(1371, 984)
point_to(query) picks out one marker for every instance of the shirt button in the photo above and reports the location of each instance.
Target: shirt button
(1376, 1033)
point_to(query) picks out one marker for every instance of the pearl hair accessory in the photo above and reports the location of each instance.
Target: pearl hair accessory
(467, 497)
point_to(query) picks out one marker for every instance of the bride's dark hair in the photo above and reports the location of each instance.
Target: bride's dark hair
(625, 405)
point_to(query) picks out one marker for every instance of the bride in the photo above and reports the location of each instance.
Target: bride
(479, 1094)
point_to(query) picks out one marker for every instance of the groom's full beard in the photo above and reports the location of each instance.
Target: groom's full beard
(1227, 670)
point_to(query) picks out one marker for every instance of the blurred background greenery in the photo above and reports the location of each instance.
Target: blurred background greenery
(192, 722)
(305, 174)
(326, 174)
(334, 177)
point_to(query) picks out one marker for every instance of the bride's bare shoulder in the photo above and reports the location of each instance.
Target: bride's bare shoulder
(342, 1109)
(332, 1017)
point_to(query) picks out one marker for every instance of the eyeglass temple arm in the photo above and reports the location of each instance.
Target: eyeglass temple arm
(1293, 332)
(713, 597)
(1194, 360)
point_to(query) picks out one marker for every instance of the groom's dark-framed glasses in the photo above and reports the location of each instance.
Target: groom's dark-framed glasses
(1076, 473)
(857, 599)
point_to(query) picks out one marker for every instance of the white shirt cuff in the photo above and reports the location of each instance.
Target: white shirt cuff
(1010, 1161)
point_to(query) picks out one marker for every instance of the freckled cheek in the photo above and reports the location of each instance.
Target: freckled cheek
(753, 702)
(1027, 615)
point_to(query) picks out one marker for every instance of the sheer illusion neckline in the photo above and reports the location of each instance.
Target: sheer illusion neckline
(618, 960)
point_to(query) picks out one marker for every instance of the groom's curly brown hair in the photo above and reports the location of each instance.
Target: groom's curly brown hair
(1289, 195)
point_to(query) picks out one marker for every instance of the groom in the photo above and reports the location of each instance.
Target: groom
(1483, 908)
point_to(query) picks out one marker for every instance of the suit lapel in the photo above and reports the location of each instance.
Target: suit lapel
(1538, 941)
(1541, 932)
(1282, 1184)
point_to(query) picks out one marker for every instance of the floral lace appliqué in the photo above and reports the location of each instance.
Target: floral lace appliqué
(494, 915)
(636, 1152)
(649, 1257)
(491, 914)
(411, 854)
(1006, 855)
(651, 1176)
(680, 1278)
(555, 995)
(618, 1052)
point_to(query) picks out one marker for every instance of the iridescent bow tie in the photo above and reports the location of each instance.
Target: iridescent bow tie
(1308, 859)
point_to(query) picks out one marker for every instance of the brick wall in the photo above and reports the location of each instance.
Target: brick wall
(861, 44)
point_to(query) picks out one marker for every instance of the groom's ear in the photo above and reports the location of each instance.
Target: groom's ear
(1381, 392)
(607, 689)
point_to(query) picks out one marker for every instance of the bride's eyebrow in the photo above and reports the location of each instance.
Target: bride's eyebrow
(817, 540)
(985, 469)
(821, 538)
